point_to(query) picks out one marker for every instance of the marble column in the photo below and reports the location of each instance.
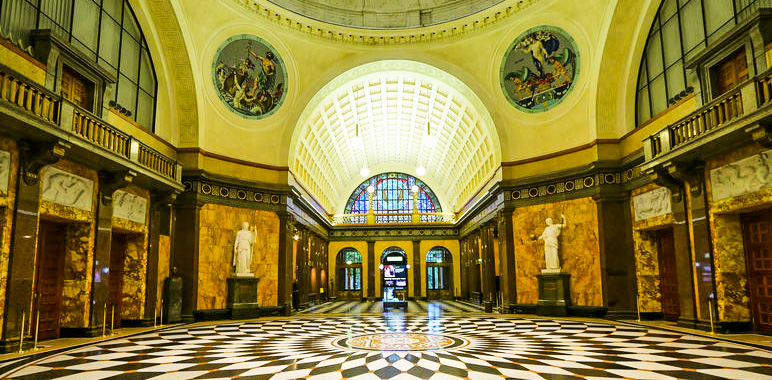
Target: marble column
(185, 253)
(617, 254)
(488, 270)
(302, 264)
(160, 211)
(284, 297)
(417, 270)
(507, 281)
(373, 268)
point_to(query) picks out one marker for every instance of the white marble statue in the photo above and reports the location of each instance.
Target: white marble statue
(550, 237)
(242, 250)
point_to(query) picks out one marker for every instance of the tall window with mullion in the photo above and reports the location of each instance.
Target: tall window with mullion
(349, 262)
(438, 263)
(681, 30)
(105, 31)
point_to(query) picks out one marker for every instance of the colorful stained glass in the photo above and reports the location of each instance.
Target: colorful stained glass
(392, 195)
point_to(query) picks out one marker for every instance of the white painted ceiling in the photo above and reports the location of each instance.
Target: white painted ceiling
(391, 102)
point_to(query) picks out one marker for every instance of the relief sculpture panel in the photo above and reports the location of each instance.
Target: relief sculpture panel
(652, 203)
(129, 206)
(742, 177)
(67, 189)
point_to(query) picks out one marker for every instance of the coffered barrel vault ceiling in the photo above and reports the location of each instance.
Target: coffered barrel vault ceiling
(392, 101)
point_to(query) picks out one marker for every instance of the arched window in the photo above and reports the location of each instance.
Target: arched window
(104, 31)
(438, 270)
(349, 270)
(681, 30)
(392, 195)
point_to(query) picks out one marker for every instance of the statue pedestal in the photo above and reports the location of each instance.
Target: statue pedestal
(242, 297)
(554, 295)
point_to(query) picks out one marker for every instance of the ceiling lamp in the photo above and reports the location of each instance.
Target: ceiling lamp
(428, 140)
(414, 188)
(356, 141)
(364, 172)
(420, 170)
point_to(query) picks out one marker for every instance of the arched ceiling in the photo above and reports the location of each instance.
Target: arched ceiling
(391, 102)
(385, 14)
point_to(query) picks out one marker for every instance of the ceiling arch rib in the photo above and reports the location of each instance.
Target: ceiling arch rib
(392, 102)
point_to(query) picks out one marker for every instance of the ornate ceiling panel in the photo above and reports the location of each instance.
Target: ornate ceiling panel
(388, 104)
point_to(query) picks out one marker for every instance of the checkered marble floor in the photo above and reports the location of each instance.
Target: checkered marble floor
(356, 307)
(404, 346)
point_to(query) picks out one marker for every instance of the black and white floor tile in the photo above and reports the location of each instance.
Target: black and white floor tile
(405, 346)
(356, 307)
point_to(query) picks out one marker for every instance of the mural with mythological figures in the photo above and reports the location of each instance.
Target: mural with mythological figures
(539, 69)
(652, 203)
(249, 76)
(5, 169)
(742, 177)
(129, 206)
(67, 189)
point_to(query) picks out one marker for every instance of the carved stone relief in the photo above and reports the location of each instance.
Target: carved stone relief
(742, 177)
(67, 189)
(129, 206)
(652, 203)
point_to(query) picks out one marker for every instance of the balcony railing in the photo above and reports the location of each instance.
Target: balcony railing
(36, 100)
(740, 102)
(395, 218)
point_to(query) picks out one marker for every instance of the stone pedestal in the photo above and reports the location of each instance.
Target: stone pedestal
(242, 297)
(554, 295)
(172, 309)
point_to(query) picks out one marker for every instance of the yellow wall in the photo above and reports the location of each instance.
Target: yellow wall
(332, 253)
(455, 249)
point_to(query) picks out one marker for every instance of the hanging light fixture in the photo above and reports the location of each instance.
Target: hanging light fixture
(364, 172)
(356, 141)
(429, 140)
(420, 170)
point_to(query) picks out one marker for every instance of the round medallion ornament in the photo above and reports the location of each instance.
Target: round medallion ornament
(249, 76)
(400, 342)
(539, 69)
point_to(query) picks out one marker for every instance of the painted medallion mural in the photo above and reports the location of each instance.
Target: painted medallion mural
(249, 76)
(539, 69)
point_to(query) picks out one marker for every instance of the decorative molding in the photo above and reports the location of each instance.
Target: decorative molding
(394, 234)
(569, 185)
(235, 196)
(173, 44)
(292, 21)
(230, 159)
(129, 206)
(35, 157)
(109, 183)
(67, 189)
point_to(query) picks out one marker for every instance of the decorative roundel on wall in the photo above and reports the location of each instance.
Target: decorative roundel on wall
(539, 69)
(249, 76)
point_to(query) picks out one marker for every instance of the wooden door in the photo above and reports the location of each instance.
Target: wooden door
(115, 282)
(49, 273)
(668, 278)
(75, 88)
(758, 259)
(731, 72)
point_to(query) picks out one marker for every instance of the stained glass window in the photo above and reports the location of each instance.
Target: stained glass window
(349, 256)
(392, 195)
(438, 261)
(438, 255)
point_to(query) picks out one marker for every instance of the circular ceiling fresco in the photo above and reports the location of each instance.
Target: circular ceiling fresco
(539, 69)
(249, 76)
(385, 14)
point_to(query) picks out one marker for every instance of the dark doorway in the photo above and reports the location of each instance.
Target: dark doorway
(758, 258)
(49, 278)
(668, 277)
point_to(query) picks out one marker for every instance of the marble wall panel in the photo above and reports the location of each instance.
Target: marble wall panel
(134, 275)
(7, 200)
(579, 249)
(219, 225)
(164, 256)
(731, 276)
(647, 272)
(78, 266)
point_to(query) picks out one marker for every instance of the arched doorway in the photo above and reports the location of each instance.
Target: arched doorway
(349, 269)
(439, 274)
(394, 274)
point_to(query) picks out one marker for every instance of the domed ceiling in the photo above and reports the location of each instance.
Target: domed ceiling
(385, 14)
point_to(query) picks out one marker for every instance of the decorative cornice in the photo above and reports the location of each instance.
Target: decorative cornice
(575, 184)
(394, 234)
(384, 37)
(237, 196)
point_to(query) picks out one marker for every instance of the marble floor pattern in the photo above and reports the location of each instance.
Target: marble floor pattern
(433, 344)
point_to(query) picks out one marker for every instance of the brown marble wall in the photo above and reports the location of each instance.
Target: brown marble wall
(728, 253)
(579, 249)
(164, 256)
(7, 200)
(646, 259)
(134, 270)
(219, 225)
(79, 259)
(77, 276)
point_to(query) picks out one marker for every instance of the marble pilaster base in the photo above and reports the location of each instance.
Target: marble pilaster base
(242, 297)
(554, 295)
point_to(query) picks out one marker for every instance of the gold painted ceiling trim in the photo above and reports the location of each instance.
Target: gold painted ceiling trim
(342, 34)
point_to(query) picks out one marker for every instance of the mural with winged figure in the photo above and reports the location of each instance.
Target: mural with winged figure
(249, 76)
(539, 69)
